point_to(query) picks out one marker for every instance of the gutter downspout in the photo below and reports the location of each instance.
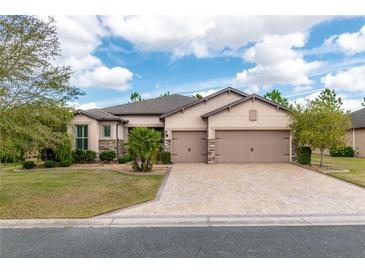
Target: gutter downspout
(117, 136)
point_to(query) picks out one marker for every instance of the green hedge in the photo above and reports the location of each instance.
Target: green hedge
(66, 163)
(342, 152)
(50, 163)
(83, 156)
(124, 159)
(164, 157)
(107, 156)
(304, 155)
(28, 164)
(90, 156)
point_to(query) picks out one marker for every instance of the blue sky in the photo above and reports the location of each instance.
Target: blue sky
(113, 56)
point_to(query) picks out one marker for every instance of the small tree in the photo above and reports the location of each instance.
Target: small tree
(143, 146)
(198, 96)
(321, 124)
(276, 97)
(135, 97)
(165, 94)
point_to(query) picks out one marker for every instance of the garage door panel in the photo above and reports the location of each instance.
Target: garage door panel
(252, 146)
(189, 146)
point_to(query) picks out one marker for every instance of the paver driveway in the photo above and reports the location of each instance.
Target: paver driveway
(250, 190)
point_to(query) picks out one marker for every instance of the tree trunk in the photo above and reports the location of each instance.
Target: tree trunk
(321, 162)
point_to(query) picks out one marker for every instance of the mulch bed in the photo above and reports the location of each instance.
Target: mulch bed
(324, 169)
(124, 168)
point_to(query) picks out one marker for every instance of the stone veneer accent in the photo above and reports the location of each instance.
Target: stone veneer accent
(211, 151)
(112, 145)
(167, 145)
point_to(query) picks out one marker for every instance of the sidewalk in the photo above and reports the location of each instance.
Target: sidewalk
(186, 222)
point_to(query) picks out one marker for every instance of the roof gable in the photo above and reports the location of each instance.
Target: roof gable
(99, 115)
(155, 106)
(205, 99)
(246, 99)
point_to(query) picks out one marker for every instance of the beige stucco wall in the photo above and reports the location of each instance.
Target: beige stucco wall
(113, 130)
(360, 141)
(141, 121)
(268, 118)
(95, 130)
(356, 139)
(190, 119)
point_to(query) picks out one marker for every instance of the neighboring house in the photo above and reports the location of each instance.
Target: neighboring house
(227, 126)
(356, 137)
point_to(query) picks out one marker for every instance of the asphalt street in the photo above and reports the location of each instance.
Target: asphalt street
(305, 241)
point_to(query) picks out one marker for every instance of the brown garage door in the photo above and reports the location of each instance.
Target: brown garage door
(189, 146)
(252, 146)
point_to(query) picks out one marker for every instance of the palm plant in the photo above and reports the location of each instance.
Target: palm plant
(143, 146)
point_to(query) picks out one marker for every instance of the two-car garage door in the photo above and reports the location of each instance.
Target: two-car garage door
(232, 146)
(252, 146)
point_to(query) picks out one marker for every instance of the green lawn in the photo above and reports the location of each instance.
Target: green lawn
(355, 165)
(66, 193)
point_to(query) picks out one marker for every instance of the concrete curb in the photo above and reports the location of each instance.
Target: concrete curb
(185, 222)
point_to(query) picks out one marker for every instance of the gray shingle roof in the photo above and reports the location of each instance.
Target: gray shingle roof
(155, 106)
(358, 118)
(100, 115)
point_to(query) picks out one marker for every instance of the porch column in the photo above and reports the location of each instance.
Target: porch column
(290, 148)
(211, 151)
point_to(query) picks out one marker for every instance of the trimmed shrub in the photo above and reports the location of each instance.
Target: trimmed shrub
(107, 156)
(66, 163)
(304, 155)
(50, 163)
(90, 156)
(28, 164)
(124, 159)
(164, 157)
(48, 154)
(342, 152)
(6, 159)
(78, 155)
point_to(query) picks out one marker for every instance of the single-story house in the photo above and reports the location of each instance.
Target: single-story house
(228, 126)
(356, 136)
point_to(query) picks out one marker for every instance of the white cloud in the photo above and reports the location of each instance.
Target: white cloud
(114, 78)
(205, 93)
(85, 106)
(202, 36)
(349, 43)
(79, 37)
(350, 104)
(352, 80)
(352, 43)
(303, 100)
(299, 89)
(277, 62)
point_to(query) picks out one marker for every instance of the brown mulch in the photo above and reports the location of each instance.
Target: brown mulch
(124, 168)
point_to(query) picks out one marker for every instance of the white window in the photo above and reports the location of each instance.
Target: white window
(107, 131)
(81, 140)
